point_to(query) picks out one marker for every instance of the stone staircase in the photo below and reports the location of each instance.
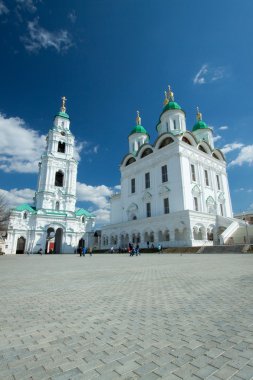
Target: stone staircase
(240, 248)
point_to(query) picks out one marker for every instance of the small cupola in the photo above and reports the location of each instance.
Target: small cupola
(61, 120)
(172, 118)
(138, 136)
(201, 130)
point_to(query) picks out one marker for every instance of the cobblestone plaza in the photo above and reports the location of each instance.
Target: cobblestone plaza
(115, 317)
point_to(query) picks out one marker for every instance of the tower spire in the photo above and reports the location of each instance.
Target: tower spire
(138, 118)
(166, 100)
(170, 94)
(199, 115)
(63, 107)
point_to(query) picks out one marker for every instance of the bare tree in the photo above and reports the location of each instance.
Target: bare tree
(4, 213)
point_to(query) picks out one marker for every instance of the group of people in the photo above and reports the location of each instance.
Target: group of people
(134, 250)
(83, 250)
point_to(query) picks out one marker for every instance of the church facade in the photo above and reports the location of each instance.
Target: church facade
(52, 223)
(174, 192)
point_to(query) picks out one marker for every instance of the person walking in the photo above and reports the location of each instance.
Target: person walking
(84, 251)
(90, 251)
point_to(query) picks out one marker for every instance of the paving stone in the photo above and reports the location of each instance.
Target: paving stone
(226, 372)
(62, 317)
(205, 371)
(145, 369)
(245, 373)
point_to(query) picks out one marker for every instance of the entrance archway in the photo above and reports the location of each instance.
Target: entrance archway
(58, 241)
(21, 245)
(50, 241)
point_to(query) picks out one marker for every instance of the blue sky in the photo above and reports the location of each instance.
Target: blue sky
(110, 58)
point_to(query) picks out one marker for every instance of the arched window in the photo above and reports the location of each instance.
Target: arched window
(25, 215)
(61, 147)
(166, 141)
(146, 152)
(185, 139)
(200, 147)
(130, 161)
(83, 219)
(57, 206)
(59, 179)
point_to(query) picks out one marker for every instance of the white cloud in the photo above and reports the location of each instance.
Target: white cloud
(98, 195)
(3, 8)
(244, 157)
(28, 5)
(223, 127)
(208, 74)
(20, 147)
(230, 147)
(102, 216)
(200, 76)
(40, 38)
(95, 149)
(16, 197)
(242, 189)
(216, 138)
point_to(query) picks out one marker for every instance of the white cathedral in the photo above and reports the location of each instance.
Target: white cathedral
(52, 224)
(174, 192)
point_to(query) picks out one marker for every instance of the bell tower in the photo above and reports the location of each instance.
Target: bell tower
(58, 167)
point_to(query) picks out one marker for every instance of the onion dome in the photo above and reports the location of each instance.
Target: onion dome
(138, 128)
(169, 102)
(62, 112)
(200, 123)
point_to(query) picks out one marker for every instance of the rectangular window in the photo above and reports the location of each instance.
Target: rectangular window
(166, 206)
(148, 209)
(164, 173)
(206, 178)
(133, 185)
(147, 180)
(196, 206)
(218, 181)
(221, 210)
(193, 173)
(174, 124)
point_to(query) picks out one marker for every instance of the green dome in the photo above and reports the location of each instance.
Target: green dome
(138, 129)
(199, 125)
(63, 114)
(172, 106)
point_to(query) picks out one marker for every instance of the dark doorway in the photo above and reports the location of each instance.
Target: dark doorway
(21, 245)
(58, 241)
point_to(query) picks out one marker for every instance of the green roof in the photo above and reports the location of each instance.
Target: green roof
(171, 106)
(63, 114)
(199, 125)
(138, 129)
(25, 207)
(84, 212)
